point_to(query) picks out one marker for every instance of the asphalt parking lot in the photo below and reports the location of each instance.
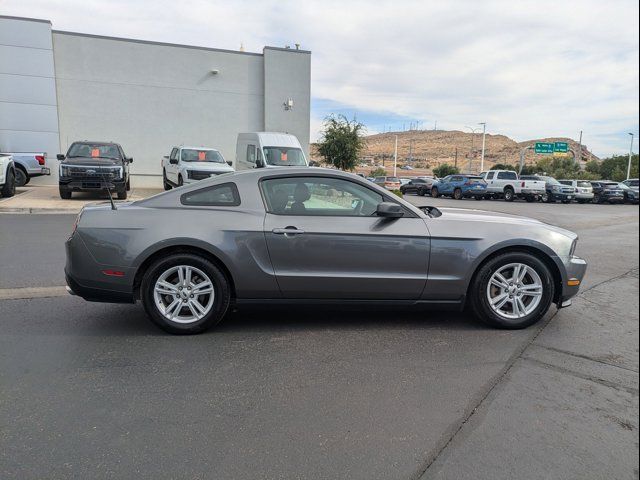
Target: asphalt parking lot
(95, 391)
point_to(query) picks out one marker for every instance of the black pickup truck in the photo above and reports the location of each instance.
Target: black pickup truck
(94, 166)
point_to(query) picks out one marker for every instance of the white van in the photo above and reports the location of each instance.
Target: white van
(268, 149)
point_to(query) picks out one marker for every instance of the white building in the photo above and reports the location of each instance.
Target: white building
(57, 87)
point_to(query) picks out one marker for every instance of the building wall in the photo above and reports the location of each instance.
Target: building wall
(28, 105)
(287, 75)
(149, 97)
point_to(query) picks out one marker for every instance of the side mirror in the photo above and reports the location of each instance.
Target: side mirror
(60, 156)
(389, 210)
(259, 163)
(230, 163)
(173, 161)
(130, 159)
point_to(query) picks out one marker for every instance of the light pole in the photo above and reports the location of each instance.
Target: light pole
(473, 136)
(395, 157)
(484, 136)
(630, 155)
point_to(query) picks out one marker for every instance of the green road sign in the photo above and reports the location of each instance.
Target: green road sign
(544, 147)
(561, 147)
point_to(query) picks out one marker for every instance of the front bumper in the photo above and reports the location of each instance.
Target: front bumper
(564, 197)
(574, 271)
(90, 185)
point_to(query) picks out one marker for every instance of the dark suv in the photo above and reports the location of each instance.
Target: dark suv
(607, 191)
(554, 189)
(419, 186)
(94, 166)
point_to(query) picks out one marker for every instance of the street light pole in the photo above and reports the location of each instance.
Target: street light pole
(630, 156)
(484, 135)
(473, 136)
(395, 157)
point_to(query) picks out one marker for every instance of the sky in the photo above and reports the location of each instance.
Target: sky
(529, 69)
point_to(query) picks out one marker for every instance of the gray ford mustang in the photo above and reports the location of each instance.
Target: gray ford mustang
(310, 235)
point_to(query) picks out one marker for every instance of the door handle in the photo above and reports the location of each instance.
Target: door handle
(287, 231)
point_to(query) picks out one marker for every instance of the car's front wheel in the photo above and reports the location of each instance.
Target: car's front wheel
(9, 187)
(457, 194)
(435, 193)
(512, 291)
(185, 293)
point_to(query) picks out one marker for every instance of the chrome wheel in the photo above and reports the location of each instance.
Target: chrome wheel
(515, 291)
(184, 294)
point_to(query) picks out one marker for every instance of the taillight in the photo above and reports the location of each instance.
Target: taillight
(522, 185)
(40, 159)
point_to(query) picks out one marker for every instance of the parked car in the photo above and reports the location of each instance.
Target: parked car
(7, 176)
(315, 236)
(606, 191)
(418, 186)
(29, 165)
(584, 190)
(268, 149)
(404, 181)
(554, 190)
(406, 167)
(630, 193)
(93, 167)
(509, 185)
(191, 164)
(390, 183)
(459, 187)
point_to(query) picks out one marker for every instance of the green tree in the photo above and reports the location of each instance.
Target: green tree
(504, 166)
(379, 172)
(341, 142)
(444, 170)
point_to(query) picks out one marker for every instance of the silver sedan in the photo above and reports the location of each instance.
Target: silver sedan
(315, 236)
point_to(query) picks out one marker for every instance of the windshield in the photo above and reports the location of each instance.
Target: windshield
(95, 150)
(284, 156)
(192, 155)
(550, 180)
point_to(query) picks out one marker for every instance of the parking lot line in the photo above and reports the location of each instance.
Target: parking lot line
(32, 292)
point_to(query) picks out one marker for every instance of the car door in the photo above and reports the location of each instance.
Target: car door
(172, 166)
(326, 242)
(446, 186)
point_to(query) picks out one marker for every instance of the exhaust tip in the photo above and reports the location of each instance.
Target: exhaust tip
(69, 291)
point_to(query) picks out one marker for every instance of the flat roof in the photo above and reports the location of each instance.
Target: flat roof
(26, 19)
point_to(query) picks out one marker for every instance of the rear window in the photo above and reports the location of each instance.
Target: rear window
(223, 195)
(566, 182)
(507, 176)
(392, 179)
(584, 184)
(610, 186)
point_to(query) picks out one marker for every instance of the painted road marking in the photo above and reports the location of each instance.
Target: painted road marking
(32, 292)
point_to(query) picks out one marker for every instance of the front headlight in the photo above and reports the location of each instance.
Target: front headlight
(556, 188)
(65, 171)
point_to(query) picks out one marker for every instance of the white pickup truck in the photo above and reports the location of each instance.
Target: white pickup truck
(29, 165)
(7, 176)
(189, 164)
(508, 185)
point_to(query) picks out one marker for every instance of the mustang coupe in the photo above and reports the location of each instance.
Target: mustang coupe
(313, 236)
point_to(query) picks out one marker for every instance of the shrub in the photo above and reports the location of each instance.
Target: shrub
(444, 170)
(379, 172)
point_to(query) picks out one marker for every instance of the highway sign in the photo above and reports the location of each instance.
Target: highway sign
(560, 147)
(544, 147)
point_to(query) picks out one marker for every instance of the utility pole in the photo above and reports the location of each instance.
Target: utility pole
(395, 157)
(484, 136)
(580, 149)
(456, 158)
(630, 156)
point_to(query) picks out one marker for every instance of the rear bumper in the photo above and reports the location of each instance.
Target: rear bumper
(86, 278)
(38, 171)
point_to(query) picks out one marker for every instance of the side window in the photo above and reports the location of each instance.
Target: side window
(566, 182)
(507, 176)
(251, 153)
(223, 195)
(174, 154)
(490, 175)
(319, 196)
(456, 179)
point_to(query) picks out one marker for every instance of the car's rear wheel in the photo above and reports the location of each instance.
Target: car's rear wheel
(180, 181)
(9, 187)
(513, 290)
(597, 198)
(530, 198)
(509, 194)
(22, 178)
(185, 293)
(457, 194)
(435, 193)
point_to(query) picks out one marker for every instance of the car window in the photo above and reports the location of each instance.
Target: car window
(174, 154)
(566, 182)
(319, 196)
(507, 176)
(94, 150)
(584, 184)
(251, 153)
(191, 155)
(490, 175)
(456, 179)
(223, 195)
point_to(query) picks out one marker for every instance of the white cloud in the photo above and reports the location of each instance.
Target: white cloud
(528, 68)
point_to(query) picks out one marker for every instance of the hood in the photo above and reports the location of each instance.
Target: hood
(208, 167)
(471, 215)
(91, 161)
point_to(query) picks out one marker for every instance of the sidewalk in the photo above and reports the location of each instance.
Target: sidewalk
(568, 407)
(46, 199)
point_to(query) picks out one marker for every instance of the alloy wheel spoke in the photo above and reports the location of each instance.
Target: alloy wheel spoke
(194, 310)
(198, 306)
(521, 307)
(499, 281)
(202, 288)
(516, 307)
(166, 288)
(523, 273)
(173, 308)
(187, 276)
(499, 301)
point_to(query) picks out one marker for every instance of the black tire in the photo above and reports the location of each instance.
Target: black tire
(9, 187)
(222, 293)
(545, 198)
(65, 194)
(22, 177)
(128, 184)
(457, 194)
(122, 194)
(509, 195)
(597, 199)
(165, 182)
(581, 201)
(420, 192)
(478, 197)
(479, 303)
(566, 202)
(434, 192)
(530, 198)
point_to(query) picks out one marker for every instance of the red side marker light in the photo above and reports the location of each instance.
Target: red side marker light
(113, 273)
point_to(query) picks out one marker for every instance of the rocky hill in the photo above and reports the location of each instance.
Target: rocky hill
(430, 148)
